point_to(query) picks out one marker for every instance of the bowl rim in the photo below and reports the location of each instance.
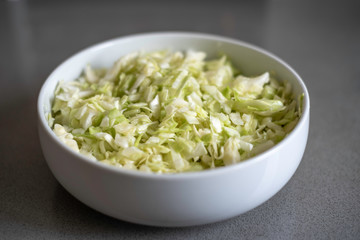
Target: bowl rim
(182, 175)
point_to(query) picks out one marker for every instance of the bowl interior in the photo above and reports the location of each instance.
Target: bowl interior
(249, 59)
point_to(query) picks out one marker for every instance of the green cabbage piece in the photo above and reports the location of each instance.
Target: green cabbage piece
(168, 112)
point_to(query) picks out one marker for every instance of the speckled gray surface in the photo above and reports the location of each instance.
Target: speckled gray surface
(320, 39)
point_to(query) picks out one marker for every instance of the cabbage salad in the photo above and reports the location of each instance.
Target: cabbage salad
(168, 112)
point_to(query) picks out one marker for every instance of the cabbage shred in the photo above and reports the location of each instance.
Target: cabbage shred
(167, 112)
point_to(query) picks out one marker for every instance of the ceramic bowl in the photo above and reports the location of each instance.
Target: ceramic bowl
(182, 199)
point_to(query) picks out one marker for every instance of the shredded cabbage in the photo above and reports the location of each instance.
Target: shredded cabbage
(167, 112)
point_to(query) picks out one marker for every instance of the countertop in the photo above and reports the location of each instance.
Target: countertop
(319, 39)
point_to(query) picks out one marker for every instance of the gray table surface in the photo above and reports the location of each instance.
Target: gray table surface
(320, 39)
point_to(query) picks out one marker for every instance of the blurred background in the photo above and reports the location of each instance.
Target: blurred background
(319, 39)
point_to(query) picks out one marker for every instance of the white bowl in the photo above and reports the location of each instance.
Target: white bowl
(182, 199)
